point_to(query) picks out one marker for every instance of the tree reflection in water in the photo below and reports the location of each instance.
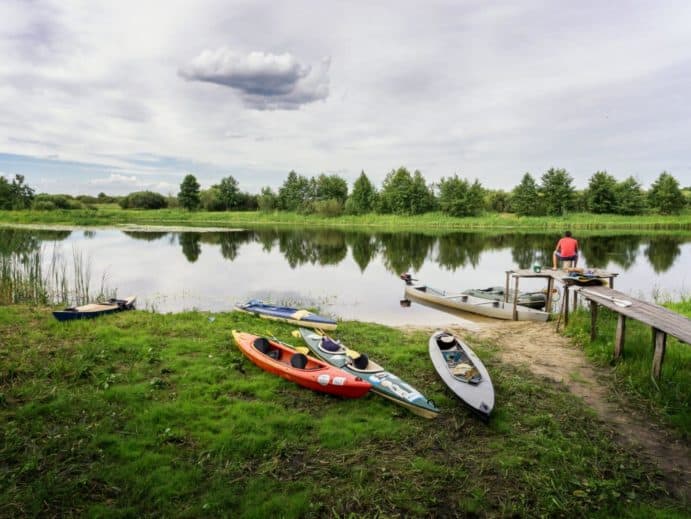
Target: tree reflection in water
(399, 251)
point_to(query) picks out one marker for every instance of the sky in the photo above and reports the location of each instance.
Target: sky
(125, 96)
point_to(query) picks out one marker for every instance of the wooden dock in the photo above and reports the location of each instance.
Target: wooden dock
(662, 321)
(552, 277)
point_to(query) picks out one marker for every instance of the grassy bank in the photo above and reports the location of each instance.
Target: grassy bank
(141, 414)
(668, 398)
(109, 215)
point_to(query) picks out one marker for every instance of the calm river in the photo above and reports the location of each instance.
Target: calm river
(351, 275)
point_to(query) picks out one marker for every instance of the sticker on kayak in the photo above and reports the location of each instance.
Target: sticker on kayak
(398, 388)
(339, 381)
(323, 379)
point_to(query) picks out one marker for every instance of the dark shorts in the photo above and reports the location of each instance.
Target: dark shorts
(567, 258)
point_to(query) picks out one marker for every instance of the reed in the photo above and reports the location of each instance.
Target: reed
(26, 278)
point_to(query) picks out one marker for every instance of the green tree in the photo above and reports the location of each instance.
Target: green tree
(557, 191)
(363, 197)
(15, 194)
(525, 198)
(267, 200)
(143, 200)
(403, 193)
(210, 199)
(295, 193)
(458, 197)
(665, 195)
(229, 193)
(498, 201)
(189, 193)
(331, 187)
(630, 197)
(601, 196)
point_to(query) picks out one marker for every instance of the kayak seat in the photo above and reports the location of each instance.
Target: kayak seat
(361, 361)
(330, 345)
(274, 353)
(446, 341)
(298, 360)
(262, 344)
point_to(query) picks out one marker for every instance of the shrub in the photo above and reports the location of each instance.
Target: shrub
(328, 208)
(143, 200)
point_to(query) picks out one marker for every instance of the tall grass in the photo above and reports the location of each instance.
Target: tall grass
(26, 278)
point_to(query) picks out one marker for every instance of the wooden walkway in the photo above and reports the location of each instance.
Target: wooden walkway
(552, 276)
(662, 321)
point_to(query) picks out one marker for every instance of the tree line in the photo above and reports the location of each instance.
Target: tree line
(401, 193)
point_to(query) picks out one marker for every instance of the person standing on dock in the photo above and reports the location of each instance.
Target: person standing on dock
(566, 250)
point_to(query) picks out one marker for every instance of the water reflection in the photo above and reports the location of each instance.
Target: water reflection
(400, 251)
(354, 274)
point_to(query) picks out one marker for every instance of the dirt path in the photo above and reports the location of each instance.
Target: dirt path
(548, 354)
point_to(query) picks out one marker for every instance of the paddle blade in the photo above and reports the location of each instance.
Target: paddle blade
(296, 334)
(352, 353)
(302, 349)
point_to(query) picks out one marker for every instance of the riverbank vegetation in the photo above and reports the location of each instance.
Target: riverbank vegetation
(402, 193)
(667, 398)
(139, 414)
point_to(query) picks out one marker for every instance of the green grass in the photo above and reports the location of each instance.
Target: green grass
(109, 215)
(669, 397)
(140, 414)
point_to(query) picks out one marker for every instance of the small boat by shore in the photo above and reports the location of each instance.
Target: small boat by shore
(286, 362)
(287, 314)
(469, 303)
(383, 382)
(535, 300)
(95, 309)
(462, 371)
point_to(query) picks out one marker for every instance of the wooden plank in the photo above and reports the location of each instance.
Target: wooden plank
(506, 286)
(659, 354)
(620, 335)
(651, 314)
(593, 321)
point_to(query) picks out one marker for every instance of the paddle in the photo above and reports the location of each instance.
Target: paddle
(622, 303)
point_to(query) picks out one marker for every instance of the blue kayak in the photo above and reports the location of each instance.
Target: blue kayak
(287, 314)
(95, 309)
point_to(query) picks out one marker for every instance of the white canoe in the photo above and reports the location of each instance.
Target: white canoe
(472, 304)
(462, 371)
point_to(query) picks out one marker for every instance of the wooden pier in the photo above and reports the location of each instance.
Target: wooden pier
(552, 277)
(662, 321)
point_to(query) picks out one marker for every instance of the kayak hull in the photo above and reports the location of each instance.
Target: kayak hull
(475, 305)
(287, 314)
(384, 383)
(462, 371)
(315, 374)
(92, 310)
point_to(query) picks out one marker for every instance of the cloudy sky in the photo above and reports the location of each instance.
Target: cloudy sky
(126, 95)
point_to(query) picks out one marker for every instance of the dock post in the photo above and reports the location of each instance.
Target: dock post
(548, 301)
(565, 305)
(506, 286)
(619, 338)
(515, 301)
(659, 354)
(593, 320)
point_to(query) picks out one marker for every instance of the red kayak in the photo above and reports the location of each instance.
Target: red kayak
(282, 360)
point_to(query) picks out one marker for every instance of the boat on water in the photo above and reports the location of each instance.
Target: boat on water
(95, 309)
(287, 314)
(470, 303)
(530, 299)
(462, 371)
(383, 382)
(286, 362)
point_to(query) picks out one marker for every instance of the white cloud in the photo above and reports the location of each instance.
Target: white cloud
(115, 178)
(265, 81)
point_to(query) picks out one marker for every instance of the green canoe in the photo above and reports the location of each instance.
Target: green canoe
(383, 382)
